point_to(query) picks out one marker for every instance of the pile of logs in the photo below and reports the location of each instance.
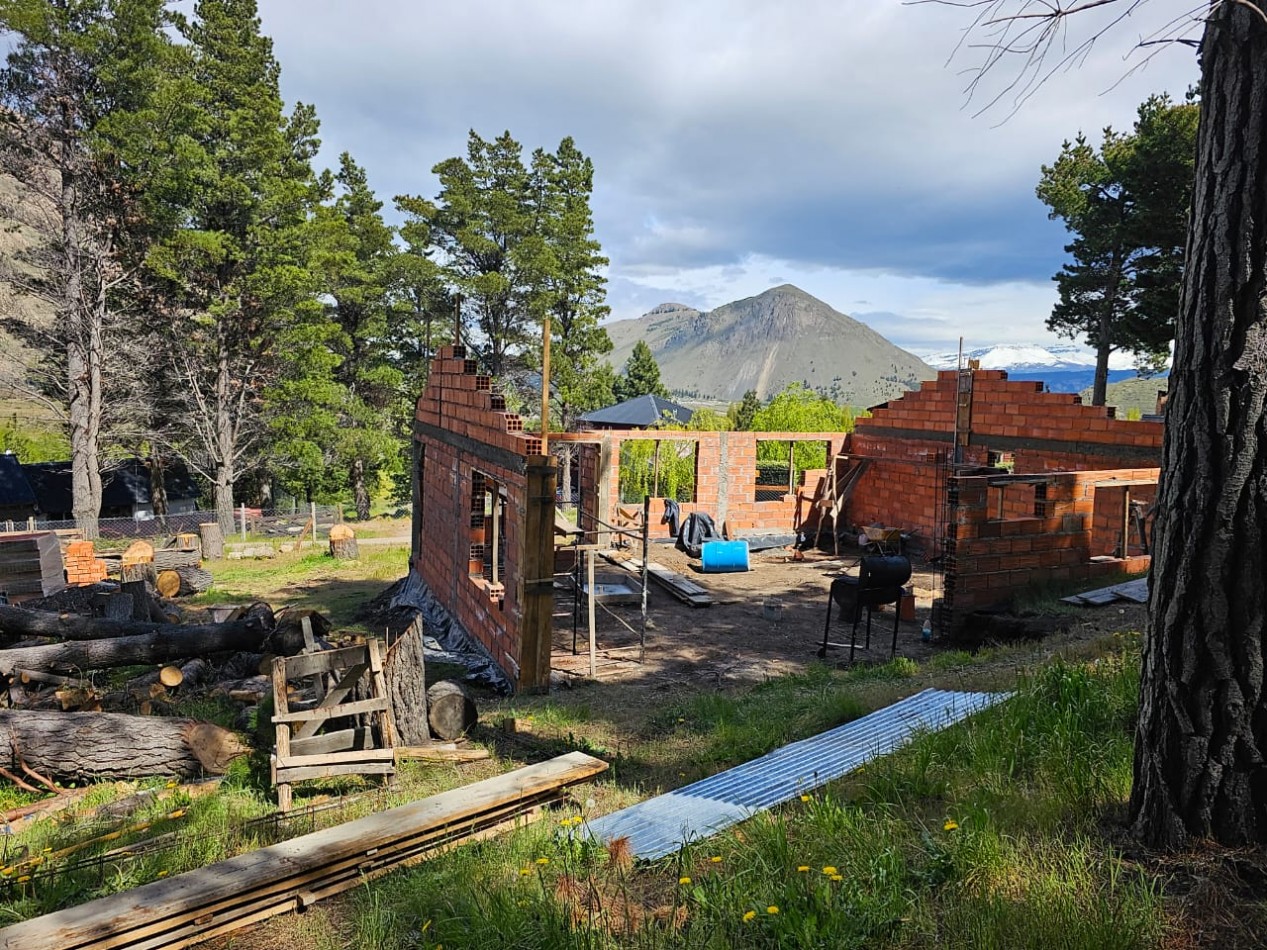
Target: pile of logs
(56, 729)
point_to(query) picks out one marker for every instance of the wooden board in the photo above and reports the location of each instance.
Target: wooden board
(679, 586)
(288, 876)
(31, 565)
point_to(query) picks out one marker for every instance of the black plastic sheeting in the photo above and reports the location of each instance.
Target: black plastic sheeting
(445, 640)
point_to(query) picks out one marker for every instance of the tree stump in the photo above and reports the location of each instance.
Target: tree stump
(168, 584)
(212, 541)
(343, 542)
(451, 711)
(405, 673)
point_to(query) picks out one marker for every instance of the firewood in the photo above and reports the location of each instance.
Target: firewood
(168, 583)
(451, 711)
(171, 676)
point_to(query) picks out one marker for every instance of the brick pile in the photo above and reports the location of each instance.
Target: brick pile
(82, 565)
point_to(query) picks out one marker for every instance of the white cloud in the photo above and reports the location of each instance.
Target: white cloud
(826, 139)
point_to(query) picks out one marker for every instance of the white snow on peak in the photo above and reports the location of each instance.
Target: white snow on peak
(1014, 356)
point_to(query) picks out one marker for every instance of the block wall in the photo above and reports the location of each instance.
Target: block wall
(466, 438)
(990, 559)
(725, 476)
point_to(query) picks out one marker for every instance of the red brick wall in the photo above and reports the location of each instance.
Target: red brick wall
(460, 402)
(989, 559)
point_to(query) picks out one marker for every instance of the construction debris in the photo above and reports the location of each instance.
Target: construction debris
(30, 565)
(1135, 591)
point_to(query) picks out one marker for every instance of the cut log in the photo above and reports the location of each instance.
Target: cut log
(168, 583)
(451, 711)
(81, 746)
(212, 541)
(171, 676)
(343, 542)
(193, 580)
(169, 559)
(405, 673)
(162, 644)
(14, 621)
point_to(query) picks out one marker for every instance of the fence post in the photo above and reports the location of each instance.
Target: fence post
(243, 521)
(313, 508)
(30, 523)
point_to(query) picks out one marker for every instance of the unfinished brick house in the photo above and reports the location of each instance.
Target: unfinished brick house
(1007, 485)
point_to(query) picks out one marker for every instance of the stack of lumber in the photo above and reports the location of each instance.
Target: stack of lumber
(31, 565)
(83, 567)
(290, 876)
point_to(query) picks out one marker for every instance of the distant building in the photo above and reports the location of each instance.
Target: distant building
(17, 498)
(641, 412)
(126, 490)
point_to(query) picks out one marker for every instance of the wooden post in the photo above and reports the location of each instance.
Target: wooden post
(536, 580)
(646, 544)
(243, 520)
(545, 385)
(312, 510)
(589, 579)
(497, 497)
(655, 471)
(1126, 522)
(791, 469)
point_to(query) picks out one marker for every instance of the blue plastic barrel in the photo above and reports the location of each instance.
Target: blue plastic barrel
(719, 557)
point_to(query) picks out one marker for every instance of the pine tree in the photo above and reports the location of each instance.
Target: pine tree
(642, 375)
(88, 135)
(237, 275)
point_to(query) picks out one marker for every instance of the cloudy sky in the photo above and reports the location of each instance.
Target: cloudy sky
(741, 144)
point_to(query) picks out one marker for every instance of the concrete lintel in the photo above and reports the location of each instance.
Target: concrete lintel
(504, 458)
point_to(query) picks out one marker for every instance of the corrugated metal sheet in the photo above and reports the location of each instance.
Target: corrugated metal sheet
(661, 825)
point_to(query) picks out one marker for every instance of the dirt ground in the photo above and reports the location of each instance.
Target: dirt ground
(767, 621)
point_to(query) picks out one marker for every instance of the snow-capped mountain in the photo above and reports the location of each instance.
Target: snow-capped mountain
(1064, 367)
(1027, 357)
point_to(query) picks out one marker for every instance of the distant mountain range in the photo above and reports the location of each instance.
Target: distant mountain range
(1064, 367)
(766, 342)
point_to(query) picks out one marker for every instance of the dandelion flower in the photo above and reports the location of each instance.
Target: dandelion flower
(543, 861)
(804, 798)
(837, 878)
(24, 878)
(684, 880)
(6, 871)
(716, 859)
(524, 872)
(162, 874)
(749, 916)
(802, 868)
(772, 909)
(950, 825)
(172, 784)
(829, 870)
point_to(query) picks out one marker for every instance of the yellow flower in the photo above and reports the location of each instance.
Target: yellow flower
(24, 878)
(829, 870)
(162, 874)
(172, 784)
(684, 880)
(802, 868)
(716, 859)
(749, 915)
(524, 872)
(48, 849)
(804, 798)
(178, 813)
(6, 871)
(772, 909)
(543, 861)
(950, 825)
(836, 877)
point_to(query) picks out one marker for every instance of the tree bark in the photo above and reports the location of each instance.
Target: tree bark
(451, 711)
(252, 631)
(1199, 752)
(360, 491)
(405, 672)
(224, 440)
(82, 746)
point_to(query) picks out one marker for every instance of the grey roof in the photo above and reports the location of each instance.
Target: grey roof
(641, 411)
(125, 485)
(15, 490)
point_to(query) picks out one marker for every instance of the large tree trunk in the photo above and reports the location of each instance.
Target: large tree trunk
(224, 439)
(148, 643)
(87, 745)
(1104, 337)
(360, 491)
(1199, 753)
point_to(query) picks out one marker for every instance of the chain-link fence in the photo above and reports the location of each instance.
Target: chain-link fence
(255, 521)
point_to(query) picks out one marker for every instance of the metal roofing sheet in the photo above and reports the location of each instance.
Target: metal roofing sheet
(661, 825)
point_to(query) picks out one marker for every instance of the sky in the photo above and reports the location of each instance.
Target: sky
(740, 145)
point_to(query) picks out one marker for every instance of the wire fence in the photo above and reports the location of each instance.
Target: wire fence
(255, 521)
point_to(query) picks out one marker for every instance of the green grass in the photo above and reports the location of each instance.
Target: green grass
(981, 835)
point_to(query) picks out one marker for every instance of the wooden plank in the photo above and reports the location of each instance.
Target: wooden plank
(177, 911)
(346, 709)
(685, 590)
(290, 774)
(327, 661)
(440, 752)
(295, 760)
(339, 741)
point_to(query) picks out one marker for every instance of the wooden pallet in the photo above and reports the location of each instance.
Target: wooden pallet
(303, 751)
(31, 565)
(680, 587)
(292, 875)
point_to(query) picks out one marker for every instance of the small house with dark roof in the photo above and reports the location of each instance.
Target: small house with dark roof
(641, 412)
(17, 498)
(126, 490)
